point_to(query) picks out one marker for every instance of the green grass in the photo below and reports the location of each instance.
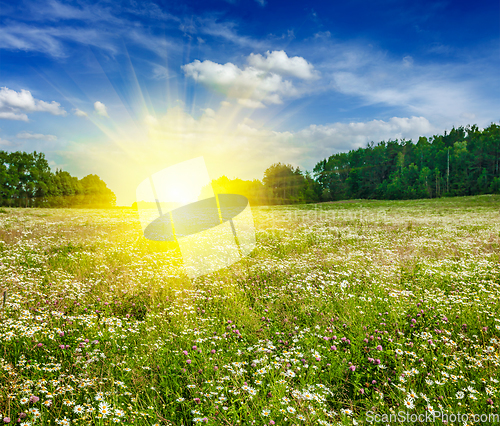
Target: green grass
(343, 311)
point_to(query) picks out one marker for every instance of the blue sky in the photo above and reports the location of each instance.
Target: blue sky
(124, 89)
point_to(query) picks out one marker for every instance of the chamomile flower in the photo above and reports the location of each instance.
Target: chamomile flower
(79, 410)
(409, 403)
(104, 409)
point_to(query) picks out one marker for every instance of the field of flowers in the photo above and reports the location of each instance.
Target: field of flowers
(343, 312)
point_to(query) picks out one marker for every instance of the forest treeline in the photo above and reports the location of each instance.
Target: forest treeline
(26, 180)
(464, 161)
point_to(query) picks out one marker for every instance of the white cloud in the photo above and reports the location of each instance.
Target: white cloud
(98, 26)
(209, 112)
(407, 61)
(250, 103)
(49, 40)
(159, 72)
(14, 105)
(262, 82)
(13, 116)
(252, 87)
(28, 135)
(226, 31)
(338, 137)
(323, 34)
(279, 63)
(100, 109)
(54, 11)
(4, 142)
(79, 113)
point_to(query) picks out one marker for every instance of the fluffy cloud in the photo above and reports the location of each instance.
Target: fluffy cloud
(278, 62)
(259, 83)
(28, 135)
(100, 109)
(14, 105)
(251, 86)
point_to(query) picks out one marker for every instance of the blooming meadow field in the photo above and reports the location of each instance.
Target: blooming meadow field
(343, 309)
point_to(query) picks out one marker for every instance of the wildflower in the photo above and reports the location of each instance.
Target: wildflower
(79, 410)
(104, 409)
(290, 409)
(266, 412)
(24, 400)
(35, 412)
(459, 395)
(408, 403)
